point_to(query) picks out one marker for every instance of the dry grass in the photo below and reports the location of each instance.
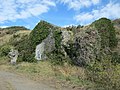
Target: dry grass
(66, 75)
(24, 32)
(5, 38)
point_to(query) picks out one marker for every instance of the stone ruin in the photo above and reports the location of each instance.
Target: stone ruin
(13, 54)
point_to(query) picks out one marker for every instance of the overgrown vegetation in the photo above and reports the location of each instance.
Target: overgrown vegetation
(102, 74)
(57, 34)
(27, 44)
(4, 50)
(39, 33)
(107, 32)
(57, 56)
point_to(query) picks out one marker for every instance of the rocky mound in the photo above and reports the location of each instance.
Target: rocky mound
(77, 45)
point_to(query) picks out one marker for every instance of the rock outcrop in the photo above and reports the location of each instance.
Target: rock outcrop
(85, 47)
(47, 46)
(81, 45)
(13, 54)
(66, 36)
(39, 52)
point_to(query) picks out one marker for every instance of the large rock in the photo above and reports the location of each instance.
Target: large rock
(47, 46)
(39, 52)
(66, 36)
(13, 54)
(85, 47)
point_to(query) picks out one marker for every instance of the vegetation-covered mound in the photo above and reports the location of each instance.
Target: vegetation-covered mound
(94, 47)
(107, 32)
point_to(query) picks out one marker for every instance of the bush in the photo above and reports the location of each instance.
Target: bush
(57, 34)
(4, 50)
(115, 58)
(104, 74)
(107, 32)
(25, 50)
(57, 57)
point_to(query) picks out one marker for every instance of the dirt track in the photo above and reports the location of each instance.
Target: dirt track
(11, 81)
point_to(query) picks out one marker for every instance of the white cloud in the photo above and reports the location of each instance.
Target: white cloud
(4, 26)
(21, 9)
(111, 11)
(84, 18)
(78, 4)
(69, 25)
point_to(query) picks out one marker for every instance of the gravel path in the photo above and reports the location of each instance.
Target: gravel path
(10, 81)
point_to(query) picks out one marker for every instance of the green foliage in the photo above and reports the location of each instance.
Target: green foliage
(71, 51)
(25, 49)
(4, 50)
(14, 39)
(57, 57)
(107, 32)
(39, 33)
(104, 74)
(115, 58)
(27, 44)
(58, 38)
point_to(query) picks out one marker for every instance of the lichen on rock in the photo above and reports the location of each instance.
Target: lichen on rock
(85, 47)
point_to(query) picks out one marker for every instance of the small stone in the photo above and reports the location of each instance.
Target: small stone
(13, 54)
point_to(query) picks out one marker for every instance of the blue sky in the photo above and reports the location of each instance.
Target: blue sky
(59, 12)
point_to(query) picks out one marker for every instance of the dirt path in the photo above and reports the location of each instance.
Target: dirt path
(11, 81)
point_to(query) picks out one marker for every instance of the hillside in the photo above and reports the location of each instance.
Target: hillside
(82, 57)
(7, 33)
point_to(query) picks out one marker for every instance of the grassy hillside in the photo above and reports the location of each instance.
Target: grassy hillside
(7, 33)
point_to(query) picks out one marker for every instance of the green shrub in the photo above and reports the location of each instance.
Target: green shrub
(107, 32)
(57, 34)
(25, 50)
(57, 58)
(115, 58)
(4, 50)
(104, 75)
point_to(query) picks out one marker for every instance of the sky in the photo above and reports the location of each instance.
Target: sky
(59, 12)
